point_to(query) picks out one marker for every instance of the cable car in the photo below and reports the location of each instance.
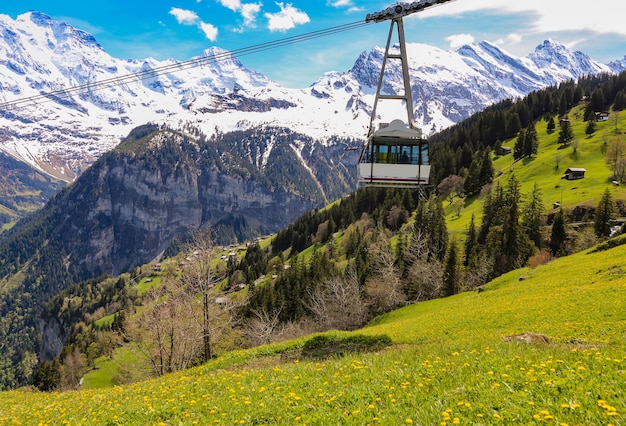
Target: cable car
(396, 154)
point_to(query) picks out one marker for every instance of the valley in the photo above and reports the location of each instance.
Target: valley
(190, 247)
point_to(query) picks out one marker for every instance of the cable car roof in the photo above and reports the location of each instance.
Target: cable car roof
(398, 129)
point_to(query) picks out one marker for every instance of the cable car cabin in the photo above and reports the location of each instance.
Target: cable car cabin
(395, 156)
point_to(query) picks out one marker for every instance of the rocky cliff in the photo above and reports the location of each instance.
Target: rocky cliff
(158, 185)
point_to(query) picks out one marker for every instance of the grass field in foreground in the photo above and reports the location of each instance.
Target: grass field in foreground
(451, 363)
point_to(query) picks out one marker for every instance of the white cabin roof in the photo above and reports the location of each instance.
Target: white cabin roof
(398, 129)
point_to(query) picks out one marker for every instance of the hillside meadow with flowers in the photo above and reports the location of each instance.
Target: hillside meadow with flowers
(544, 345)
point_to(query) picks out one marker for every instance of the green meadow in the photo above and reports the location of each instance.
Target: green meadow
(548, 166)
(546, 345)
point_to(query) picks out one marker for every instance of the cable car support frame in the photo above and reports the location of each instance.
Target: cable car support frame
(396, 154)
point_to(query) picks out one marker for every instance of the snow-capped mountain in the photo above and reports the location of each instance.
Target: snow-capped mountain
(66, 131)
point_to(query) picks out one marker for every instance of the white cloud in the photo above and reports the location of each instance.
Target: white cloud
(287, 18)
(347, 4)
(248, 11)
(209, 30)
(233, 5)
(183, 16)
(340, 3)
(547, 16)
(458, 40)
(189, 17)
(510, 39)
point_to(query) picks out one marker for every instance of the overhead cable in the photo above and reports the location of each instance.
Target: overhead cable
(178, 66)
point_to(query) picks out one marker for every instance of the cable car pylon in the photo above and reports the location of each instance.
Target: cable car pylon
(396, 154)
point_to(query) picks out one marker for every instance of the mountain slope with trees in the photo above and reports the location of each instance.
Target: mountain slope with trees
(371, 252)
(545, 348)
(23, 190)
(156, 186)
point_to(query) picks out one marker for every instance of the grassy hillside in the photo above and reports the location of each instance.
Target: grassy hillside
(458, 360)
(590, 153)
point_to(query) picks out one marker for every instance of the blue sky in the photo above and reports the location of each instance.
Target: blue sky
(182, 29)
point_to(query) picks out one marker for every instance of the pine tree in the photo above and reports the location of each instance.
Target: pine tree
(591, 127)
(532, 218)
(511, 231)
(518, 148)
(565, 133)
(451, 272)
(619, 103)
(486, 173)
(48, 376)
(503, 236)
(551, 125)
(605, 213)
(470, 242)
(430, 221)
(437, 232)
(472, 186)
(558, 235)
(531, 142)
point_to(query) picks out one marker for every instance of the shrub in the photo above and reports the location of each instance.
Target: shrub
(540, 258)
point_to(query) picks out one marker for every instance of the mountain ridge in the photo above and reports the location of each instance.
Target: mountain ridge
(64, 135)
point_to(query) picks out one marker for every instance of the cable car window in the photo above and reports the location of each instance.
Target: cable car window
(424, 154)
(393, 155)
(381, 153)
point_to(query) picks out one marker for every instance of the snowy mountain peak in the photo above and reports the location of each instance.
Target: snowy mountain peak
(551, 44)
(62, 31)
(555, 57)
(218, 93)
(618, 65)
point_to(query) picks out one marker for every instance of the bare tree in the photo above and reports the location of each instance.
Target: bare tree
(72, 368)
(337, 303)
(450, 186)
(615, 156)
(479, 272)
(184, 315)
(557, 162)
(425, 273)
(575, 144)
(385, 289)
(164, 332)
(264, 326)
(200, 278)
